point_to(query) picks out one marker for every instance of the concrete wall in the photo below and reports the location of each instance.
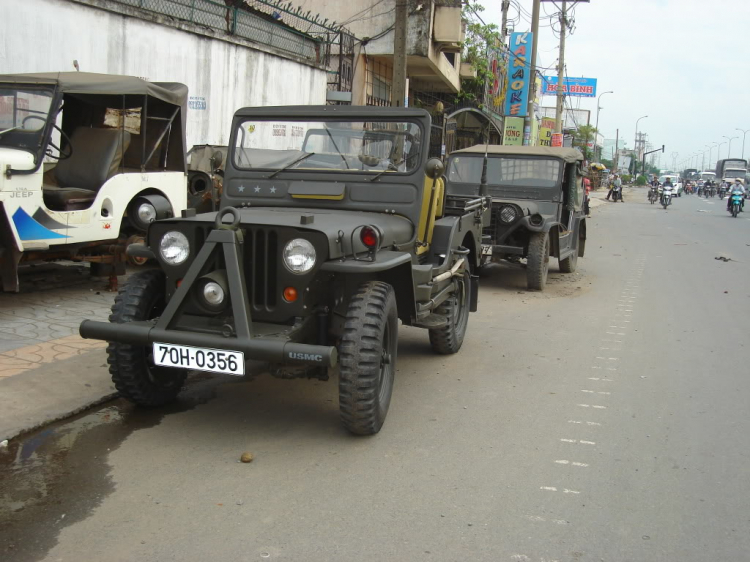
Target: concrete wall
(47, 35)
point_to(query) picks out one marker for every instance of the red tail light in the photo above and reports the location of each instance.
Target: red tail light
(369, 237)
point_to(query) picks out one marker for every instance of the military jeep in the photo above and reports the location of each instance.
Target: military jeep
(537, 204)
(333, 225)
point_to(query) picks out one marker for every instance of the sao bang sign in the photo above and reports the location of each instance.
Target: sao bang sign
(519, 74)
(572, 86)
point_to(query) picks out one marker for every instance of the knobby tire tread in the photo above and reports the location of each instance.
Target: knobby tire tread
(127, 363)
(537, 263)
(370, 309)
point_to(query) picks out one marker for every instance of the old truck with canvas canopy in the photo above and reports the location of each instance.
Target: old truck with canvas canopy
(537, 203)
(88, 162)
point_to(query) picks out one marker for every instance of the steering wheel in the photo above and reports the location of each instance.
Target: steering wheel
(60, 154)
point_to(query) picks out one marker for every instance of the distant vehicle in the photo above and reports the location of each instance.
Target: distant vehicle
(706, 175)
(730, 169)
(689, 174)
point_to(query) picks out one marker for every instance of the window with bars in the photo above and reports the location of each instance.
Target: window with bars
(378, 81)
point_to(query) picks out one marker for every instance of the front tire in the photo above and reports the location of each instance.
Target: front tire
(132, 368)
(448, 339)
(537, 263)
(368, 350)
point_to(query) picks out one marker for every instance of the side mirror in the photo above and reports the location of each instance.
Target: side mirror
(434, 168)
(218, 159)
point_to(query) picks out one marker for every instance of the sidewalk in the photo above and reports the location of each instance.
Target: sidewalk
(47, 371)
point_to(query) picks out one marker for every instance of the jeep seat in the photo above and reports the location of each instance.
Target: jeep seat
(96, 155)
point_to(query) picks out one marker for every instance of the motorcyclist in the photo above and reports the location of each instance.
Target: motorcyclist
(737, 187)
(667, 186)
(616, 184)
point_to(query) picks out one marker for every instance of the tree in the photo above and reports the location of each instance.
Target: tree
(479, 37)
(582, 137)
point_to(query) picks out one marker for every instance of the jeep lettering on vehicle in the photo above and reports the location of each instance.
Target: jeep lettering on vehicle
(305, 356)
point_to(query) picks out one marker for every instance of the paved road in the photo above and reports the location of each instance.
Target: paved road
(604, 419)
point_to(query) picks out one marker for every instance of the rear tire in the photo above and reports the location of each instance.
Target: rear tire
(448, 339)
(537, 263)
(368, 350)
(569, 264)
(131, 366)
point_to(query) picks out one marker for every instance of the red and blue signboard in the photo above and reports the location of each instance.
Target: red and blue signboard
(572, 86)
(519, 74)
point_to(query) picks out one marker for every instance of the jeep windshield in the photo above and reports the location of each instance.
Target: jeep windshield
(357, 147)
(24, 111)
(506, 174)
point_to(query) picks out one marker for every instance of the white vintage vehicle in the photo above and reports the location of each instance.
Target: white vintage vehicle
(87, 162)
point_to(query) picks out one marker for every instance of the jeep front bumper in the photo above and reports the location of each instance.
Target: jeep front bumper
(269, 349)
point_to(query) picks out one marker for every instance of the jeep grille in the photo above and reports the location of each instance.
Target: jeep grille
(261, 260)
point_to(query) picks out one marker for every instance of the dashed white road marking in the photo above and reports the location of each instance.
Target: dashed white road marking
(582, 442)
(600, 379)
(572, 463)
(548, 488)
(582, 422)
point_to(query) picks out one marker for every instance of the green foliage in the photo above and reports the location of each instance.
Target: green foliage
(478, 38)
(582, 136)
(641, 180)
(626, 178)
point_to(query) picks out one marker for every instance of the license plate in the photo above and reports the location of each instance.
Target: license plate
(200, 358)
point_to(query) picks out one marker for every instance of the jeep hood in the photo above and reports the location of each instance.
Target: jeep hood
(395, 229)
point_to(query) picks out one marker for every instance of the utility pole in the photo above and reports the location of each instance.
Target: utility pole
(532, 71)
(561, 70)
(616, 157)
(398, 92)
(505, 6)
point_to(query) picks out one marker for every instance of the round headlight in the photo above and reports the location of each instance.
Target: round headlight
(146, 213)
(213, 293)
(174, 247)
(508, 214)
(299, 256)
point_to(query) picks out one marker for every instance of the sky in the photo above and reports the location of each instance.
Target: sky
(684, 63)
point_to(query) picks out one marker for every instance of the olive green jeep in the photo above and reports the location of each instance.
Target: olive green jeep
(333, 225)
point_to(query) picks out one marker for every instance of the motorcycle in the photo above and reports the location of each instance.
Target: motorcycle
(666, 197)
(653, 195)
(735, 205)
(722, 192)
(616, 193)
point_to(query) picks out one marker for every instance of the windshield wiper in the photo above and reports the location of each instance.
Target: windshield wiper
(337, 150)
(8, 130)
(390, 168)
(297, 161)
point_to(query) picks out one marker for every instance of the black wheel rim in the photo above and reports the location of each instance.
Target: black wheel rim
(386, 366)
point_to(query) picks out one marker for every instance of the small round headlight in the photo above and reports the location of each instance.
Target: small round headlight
(508, 214)
(299, 256)
(174, 247)
(213, 293)
(146, 213)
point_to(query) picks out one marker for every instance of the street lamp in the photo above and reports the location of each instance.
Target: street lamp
(635, 166)
(710, 152)
(718, 152)
(597, 118)
(744, 132)
(729, 149)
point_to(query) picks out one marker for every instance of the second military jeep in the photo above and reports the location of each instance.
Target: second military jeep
(537, 204)
(333, 226)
